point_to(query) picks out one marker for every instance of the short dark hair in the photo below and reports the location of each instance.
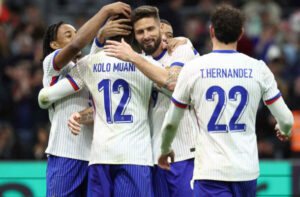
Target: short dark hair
(144, 12)
(49, 36)
(165, 22)
(227, 22)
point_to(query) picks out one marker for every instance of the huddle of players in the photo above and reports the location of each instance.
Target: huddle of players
(122, 134)
(122, 149)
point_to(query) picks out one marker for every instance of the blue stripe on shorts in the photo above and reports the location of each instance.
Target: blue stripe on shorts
(66, 177)
(120, 180)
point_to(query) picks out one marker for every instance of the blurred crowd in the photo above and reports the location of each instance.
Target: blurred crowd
(272, 34)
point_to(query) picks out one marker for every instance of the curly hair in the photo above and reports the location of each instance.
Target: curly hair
(227, 23)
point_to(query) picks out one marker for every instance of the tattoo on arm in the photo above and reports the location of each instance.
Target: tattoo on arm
(173, 74)
(87, 116)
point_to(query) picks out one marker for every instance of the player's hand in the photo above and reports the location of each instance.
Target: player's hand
(73, 123)
(118, 8)
(120, 50)
(173, 43)
(114, 28)
(43, 99)
(163, 160)
(280, 135)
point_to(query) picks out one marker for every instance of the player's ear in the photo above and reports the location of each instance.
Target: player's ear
(211, 31)
(161, 26)
(241, 34)
(54, 45)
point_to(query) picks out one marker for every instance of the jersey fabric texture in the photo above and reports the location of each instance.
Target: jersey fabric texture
(120, 180)
(62, 142)
(121, 95)
(66, 177)
(176, 182)
(225, 87)
(184, 144)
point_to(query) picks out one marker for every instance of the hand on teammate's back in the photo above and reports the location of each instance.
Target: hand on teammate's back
(114, 28)
(280, 135)
(73, 123)
(118, 8)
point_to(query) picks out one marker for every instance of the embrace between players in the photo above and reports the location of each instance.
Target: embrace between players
(128, 80)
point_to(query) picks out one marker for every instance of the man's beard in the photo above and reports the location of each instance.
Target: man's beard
(150, 50)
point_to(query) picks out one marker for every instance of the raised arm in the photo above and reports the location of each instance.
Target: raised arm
(113, 27)
(88, 31)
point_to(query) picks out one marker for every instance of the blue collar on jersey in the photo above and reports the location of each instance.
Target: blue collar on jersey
(224, 51)
(161, 55)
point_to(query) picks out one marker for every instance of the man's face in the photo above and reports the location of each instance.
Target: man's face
(166, 32)
(65, 34)
(148, 35)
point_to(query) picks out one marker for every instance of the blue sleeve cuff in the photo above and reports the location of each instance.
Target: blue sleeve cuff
(177, 64)
(98, 43)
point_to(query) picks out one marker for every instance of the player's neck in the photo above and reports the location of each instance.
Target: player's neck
(158, 51)
(222, 46)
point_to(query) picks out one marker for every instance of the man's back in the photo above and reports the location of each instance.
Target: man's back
(121, 96)
(226, 87)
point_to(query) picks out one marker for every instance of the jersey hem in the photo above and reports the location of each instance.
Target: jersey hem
(120, 163)
(69, 157)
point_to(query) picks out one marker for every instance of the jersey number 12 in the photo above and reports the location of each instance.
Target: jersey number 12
(119, 115)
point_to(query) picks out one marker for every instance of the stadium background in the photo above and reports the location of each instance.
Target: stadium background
(272, 33)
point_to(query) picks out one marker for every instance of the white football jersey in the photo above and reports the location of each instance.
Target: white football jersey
(121, 95)
(96, 46)
(225, 87)
(62, 142)
(184, 143)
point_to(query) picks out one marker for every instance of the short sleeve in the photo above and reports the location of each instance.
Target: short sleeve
(75, 75)
(96, 46)
(151, 60)
(181, 94)
(49, 65)
(270, 91)
(181, 55)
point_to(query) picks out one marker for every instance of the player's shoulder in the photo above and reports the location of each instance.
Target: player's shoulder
(252, 62)
(184, 48)
(50, 57)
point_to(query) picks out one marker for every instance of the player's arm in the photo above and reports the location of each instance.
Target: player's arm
(169, 130)
(111, 28)
(163, 78)
(180, 100)
(61, 89)
(275, 102)
(123, 51)
(283, 116)
(88, 31)
(78, 118)
(64, 87)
